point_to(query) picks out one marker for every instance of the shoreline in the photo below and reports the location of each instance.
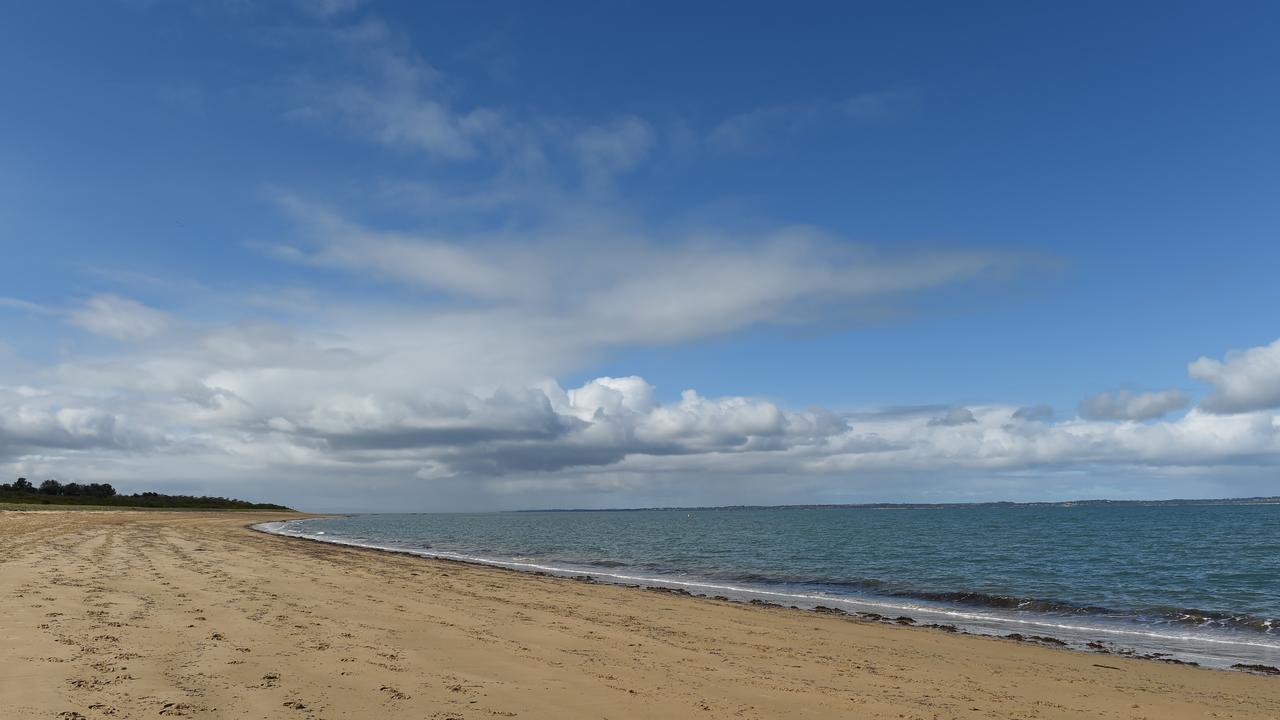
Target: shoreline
(130, 614)
(957, 620)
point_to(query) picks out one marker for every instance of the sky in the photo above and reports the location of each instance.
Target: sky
(368, 256)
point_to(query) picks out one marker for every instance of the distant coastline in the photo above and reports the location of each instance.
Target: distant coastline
(1268, 500)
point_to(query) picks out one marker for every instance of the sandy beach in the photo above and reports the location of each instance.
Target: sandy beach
(154, 614)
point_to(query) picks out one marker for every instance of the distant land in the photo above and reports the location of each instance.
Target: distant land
(1270, 500)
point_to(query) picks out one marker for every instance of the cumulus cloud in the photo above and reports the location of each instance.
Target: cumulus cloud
(603, 397)
(1246, 380)
(1129, 405)
(120, 318)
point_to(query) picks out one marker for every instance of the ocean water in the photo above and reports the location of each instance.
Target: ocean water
(1199, 583)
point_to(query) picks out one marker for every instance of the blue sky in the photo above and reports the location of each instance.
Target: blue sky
(804, 211)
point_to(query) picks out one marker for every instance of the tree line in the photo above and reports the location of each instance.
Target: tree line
(53, 487)
(52, 492)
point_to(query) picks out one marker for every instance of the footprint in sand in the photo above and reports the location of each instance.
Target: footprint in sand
(394, 693)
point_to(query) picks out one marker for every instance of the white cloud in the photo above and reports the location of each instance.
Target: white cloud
(1033, 413)
(606, 150)
(25, 306)
(396, 98)
(955, 416)
(1246, 380)
(36, 420)
(605, 283)
(1128, 405)
(120, 318)
(391, 95)
(504, 270)
(604, 396)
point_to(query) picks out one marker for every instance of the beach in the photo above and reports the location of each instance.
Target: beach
(191, 614)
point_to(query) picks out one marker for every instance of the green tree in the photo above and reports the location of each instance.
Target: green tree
(99, 490)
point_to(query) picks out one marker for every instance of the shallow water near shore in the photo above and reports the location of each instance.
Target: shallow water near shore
(1197, 583)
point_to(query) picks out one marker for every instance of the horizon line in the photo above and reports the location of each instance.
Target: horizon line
(1250, 500)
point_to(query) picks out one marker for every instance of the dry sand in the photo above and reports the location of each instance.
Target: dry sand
(133, 615)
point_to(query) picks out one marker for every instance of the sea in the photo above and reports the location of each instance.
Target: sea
(1188, 583)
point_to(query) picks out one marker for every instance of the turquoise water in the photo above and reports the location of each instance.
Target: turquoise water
(1200, 583)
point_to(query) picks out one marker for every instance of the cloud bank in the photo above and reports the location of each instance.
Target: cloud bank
(464, 399)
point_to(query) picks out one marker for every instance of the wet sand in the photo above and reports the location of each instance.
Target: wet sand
(151, 614)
